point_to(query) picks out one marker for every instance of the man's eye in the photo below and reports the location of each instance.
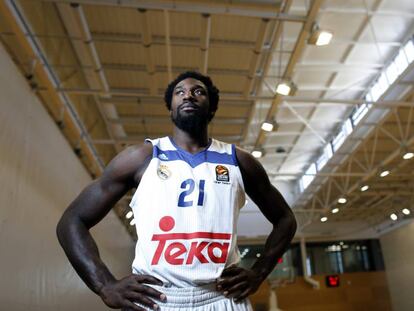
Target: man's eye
(199, 92)
(179, 92)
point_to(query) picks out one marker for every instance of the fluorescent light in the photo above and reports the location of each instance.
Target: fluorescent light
(406, 211)
(132, 222)
(129, 215)
(320, 37)
(384, 173)
(342, 200)
(323, 219)
(324, 38)
(267, 126)
(364, 188)
(408, 155)
(335, 210)
(283, 88)
(257, 154)
(393, 216)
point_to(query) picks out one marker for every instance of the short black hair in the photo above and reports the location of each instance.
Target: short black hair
(212, 90)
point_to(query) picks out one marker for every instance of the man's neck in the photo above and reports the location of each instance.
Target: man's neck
(190, 143)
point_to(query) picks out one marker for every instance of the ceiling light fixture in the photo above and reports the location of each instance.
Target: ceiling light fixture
(394, 216)
(132, 222)
(384, 173)
(406, 211)
(129, 215)
(323, 219)
(257, 153)
(287, 88)
(342, 200)
(364, 188)
(335, 210)
(320, 37)
(408, 155)
(269, 125)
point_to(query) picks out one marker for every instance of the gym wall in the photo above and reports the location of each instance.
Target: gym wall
(398, 251)
(40, 175)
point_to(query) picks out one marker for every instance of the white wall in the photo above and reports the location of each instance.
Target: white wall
(39, 176)
(398, 251)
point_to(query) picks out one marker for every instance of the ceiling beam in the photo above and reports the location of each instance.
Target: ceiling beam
(333, 77)
(297, 52)
(204, 42)
(167, 120)
(270, 11)
(57, 103)
(139, 139)
(146, 43)
(144, 94)
(168, 44)
(256, 55)
(74, 20)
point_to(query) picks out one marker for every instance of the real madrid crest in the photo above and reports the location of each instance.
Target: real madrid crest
(163, 172)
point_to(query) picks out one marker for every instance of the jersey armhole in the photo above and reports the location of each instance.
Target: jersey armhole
(154, 150)
(237, 166)
(233, 155)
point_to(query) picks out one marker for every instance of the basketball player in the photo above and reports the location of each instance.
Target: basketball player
(190, 189)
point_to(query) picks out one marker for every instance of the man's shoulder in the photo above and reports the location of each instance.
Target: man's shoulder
(135, 153)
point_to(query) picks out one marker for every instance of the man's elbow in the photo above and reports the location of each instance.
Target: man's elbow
(288, 222)
(63, 226)
(293, 225)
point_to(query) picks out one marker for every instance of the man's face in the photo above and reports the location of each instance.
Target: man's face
(190, 106)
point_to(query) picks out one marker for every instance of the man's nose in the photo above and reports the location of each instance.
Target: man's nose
(188, 95)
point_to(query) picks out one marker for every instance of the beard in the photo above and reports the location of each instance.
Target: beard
(194, 123)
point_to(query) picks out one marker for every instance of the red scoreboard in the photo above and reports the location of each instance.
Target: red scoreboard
(332, 280)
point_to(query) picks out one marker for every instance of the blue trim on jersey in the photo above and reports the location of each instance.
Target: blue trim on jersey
(210, 141)
(233, 154)
(193, 160)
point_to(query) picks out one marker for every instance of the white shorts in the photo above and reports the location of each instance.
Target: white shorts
(200, 298)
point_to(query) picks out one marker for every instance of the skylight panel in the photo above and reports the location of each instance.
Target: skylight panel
(309, 175)
(326, 155)
(401, 61)
(409, 50)
(391, 72)
(359, 113)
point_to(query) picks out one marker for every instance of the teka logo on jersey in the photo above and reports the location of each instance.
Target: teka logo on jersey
(184, 248)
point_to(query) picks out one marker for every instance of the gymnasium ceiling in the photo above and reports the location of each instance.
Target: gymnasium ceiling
(100, 68)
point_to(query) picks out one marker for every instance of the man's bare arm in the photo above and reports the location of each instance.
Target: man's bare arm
(91, 206)
(238, 282)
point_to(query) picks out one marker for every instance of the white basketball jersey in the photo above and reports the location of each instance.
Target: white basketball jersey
(186, 208)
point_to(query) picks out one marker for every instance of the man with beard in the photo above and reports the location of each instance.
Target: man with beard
(190, 189)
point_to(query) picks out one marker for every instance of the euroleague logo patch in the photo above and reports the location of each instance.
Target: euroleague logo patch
(222, 173)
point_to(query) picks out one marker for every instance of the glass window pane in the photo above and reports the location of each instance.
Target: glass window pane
(401, 62)
(409, 50)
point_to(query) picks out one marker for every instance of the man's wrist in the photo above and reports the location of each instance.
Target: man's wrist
(99, 288)
(260, 272)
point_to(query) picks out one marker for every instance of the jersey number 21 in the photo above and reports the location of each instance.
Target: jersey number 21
(188, 185)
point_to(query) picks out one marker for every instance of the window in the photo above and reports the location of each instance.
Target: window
(409, 50)
(342, 135)
(392, 72)
(401, 62)
(359, 113)
(345, 256)
(309, 176)
(326, 155)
